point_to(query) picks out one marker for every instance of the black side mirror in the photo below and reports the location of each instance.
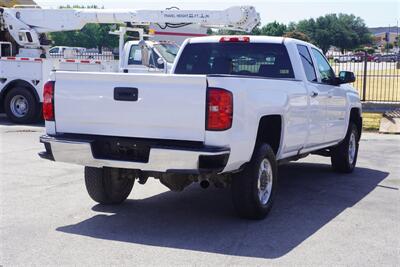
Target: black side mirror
(346, 77)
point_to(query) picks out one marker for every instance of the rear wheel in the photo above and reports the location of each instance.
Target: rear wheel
(106, 185)
(253, 189)
(21, 106)
(344, 155)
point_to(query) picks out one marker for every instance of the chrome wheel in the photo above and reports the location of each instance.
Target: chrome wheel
(19, 106)
(265, 177)
(352, 148)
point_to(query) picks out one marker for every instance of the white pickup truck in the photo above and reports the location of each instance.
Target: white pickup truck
(232, 109)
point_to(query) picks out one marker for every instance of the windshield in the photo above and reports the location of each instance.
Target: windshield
(247, 59)
(167, 51)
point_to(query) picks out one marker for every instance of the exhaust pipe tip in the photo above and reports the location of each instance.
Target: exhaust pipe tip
(204, 184)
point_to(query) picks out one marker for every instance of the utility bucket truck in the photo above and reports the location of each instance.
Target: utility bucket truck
(25, 62)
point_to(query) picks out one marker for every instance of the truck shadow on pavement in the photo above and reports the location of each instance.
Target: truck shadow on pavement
(4, 121)
(310, 196)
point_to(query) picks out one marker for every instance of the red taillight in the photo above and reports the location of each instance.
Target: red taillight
(219, 109)
(48, 101)
(234, 39)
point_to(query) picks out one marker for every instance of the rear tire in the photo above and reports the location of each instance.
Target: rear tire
(253, 189)
(344, 155)
(21, 106)
(106, 186)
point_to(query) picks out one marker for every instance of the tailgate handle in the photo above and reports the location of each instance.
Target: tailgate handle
(125, 94)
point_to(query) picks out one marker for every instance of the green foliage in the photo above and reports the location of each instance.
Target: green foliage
(343, 31)
(91, 36)
(80, 7)
(389, 46)
(370, 51)
(297, 35)
(273, 29)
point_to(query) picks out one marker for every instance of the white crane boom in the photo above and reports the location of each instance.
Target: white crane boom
(26, 24)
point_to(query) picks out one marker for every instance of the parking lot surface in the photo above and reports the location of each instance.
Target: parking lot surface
(320, 218)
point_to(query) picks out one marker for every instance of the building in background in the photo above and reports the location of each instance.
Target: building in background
(385, 37)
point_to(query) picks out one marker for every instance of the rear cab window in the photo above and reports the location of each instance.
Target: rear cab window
(307, 62)
(267, 60)
(135, 55)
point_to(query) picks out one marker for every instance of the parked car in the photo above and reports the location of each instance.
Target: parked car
(60, 50)
(362, 56)
(347, 58)
(233, 109)
(387, 58)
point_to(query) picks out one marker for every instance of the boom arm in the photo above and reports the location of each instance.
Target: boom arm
(26, 24)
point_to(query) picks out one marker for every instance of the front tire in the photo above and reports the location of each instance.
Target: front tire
(253, 189)
(21, 106)
(344, 155)
(106, 186)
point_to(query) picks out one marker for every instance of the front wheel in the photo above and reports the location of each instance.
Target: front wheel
(107, 186)
(344, 155)
(253, 189)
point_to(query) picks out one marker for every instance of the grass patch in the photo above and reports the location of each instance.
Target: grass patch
(371, 121)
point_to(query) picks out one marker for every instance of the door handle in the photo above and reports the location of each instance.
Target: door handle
(330, 93)
(314, 94)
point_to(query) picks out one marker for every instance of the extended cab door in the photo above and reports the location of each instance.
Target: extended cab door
(335, 123)
(317, 99)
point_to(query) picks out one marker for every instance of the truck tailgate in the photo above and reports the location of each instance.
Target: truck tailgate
(165, 106)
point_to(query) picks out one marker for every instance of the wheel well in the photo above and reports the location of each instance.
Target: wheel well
(18, 83)
(269, 131)
(355, 116)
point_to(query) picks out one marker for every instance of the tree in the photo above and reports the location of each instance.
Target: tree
(343, 31)
(273, 29)
(297, 35)
(91, 36)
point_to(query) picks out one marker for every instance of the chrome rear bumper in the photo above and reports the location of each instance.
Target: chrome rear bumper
(160, 159)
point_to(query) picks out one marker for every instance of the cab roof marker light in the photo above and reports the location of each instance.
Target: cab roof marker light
(234, 39)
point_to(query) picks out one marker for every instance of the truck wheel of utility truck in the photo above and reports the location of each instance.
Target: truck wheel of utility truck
(254, 188)
(21, 106)
(344, 155)
(106, 186)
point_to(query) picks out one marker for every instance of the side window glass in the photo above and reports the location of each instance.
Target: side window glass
(135, 55)
(307, 62)
(325, 70)
(54, 50)
(153, 60)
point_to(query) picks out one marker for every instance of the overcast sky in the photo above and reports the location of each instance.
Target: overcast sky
(375, 13)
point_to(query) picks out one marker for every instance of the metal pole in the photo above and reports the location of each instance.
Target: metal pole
(364, 89)
(121, 46)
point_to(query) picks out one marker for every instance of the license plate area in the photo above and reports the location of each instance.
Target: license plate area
(121, 149)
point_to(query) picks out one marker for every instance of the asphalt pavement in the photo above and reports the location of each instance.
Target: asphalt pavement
(320, 218)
